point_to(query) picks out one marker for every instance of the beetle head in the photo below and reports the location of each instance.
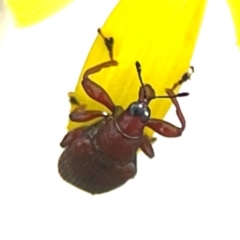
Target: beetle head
(140, 108)
(132, 121)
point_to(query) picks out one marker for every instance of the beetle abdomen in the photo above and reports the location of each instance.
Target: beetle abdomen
(80, 165)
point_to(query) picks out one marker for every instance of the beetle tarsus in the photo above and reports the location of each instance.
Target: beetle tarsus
(186, 76)
(73, 100)
(108, 43)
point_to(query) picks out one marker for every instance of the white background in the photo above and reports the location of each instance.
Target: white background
(190, 190)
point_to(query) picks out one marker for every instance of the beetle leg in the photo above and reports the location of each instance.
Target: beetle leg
(186, 76)
(73, 100)
(80, 115)
(99, 67)
(70, 137)
(146, 146)
(178, 109)
(108, 43)
(94, 90)
(128, 170)
(167, 129)
(164, 128)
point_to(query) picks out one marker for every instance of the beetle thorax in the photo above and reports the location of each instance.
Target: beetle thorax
(130, 127)
(130, 123)
(114, 145)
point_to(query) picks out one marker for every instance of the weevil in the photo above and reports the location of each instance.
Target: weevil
(102, 157)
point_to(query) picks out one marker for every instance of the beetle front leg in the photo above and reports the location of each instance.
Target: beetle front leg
(167, 129)
(94, 90)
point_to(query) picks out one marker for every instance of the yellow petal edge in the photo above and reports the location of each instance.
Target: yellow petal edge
(161, 35)
(234, 6)
(28, 12)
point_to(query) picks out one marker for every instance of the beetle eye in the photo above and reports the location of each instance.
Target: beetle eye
(140, 110)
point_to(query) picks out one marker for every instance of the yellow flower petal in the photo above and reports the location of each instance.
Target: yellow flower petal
(161, 35)
(234, 6)
(27, 12)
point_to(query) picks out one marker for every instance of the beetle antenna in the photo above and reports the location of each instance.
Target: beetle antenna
(183, 94)
(186, 76)
(139, 69)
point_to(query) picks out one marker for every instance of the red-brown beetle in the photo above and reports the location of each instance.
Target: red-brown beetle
(102, 157)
